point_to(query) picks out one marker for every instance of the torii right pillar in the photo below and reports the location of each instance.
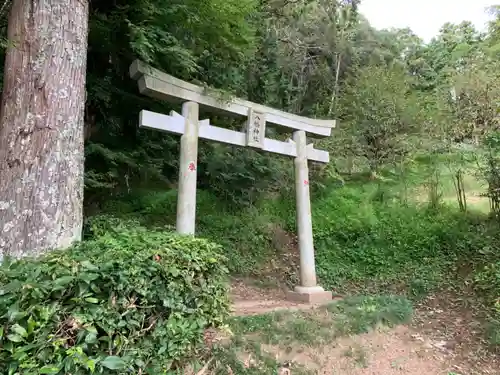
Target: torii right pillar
(308, 291)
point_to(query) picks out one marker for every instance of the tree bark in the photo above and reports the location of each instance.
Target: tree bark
(41, 127)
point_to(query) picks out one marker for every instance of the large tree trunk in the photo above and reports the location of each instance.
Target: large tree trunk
(41, 128)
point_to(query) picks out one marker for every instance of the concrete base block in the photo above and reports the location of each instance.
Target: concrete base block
(313, 295)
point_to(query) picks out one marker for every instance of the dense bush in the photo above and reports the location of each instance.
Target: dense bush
(246, 250)
(129, 301)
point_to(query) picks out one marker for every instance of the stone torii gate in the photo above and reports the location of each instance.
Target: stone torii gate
(160, 85)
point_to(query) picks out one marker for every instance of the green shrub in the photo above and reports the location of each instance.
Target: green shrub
(128, 302)
(487, 280)
(246, 250)
(487, 284)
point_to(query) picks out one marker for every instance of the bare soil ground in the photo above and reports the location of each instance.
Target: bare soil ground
(251, 300)
(443, 339)
(381, 352)
(456, 329)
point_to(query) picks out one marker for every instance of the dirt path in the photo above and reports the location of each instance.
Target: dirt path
(251, 300)
(381, 352)
(428, 346)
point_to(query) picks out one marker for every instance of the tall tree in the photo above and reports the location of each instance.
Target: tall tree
(41, 127)
(380, 114)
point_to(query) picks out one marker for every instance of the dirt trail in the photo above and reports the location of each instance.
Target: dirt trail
(410, 350)
(250, 300)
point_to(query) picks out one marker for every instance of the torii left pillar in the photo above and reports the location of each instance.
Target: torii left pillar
(186, 198)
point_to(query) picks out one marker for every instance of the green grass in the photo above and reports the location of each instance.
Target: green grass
(371, 244)
(384, 234)
(350, 316)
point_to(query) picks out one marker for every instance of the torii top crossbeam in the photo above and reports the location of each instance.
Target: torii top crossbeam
(157, 84)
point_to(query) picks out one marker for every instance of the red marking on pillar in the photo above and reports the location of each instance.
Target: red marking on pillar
(192, 167)
(306, 182)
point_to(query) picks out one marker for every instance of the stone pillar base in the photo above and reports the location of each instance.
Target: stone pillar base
(313, 295)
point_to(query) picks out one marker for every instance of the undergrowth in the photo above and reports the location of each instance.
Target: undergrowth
(371, 236)
(241, 232)
(129, 301)
(362, 241)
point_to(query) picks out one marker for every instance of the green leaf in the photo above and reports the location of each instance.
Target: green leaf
(19, 330)
(91, 329)
(64, 280)
(14, 313)
(49, 370)
(87, 265)
(11, 287)
(91, 338)
(31, 325)
(89, 277)
(91, 300)
(91, 365)
(174, 271)
(15, 338)
(113, 363)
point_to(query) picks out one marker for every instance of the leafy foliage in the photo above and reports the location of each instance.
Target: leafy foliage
(128, 301)
(373, 244)
(379, 109)
(395, 97)
(207, 42)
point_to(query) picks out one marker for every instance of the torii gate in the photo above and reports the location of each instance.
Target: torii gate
(157, 84)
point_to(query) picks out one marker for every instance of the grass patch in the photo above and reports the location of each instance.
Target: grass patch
(249, 360)
(360, 314)
(292, 329)
(358, 354)
(351, 316)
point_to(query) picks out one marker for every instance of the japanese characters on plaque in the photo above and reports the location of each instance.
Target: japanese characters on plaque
(256, 129)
